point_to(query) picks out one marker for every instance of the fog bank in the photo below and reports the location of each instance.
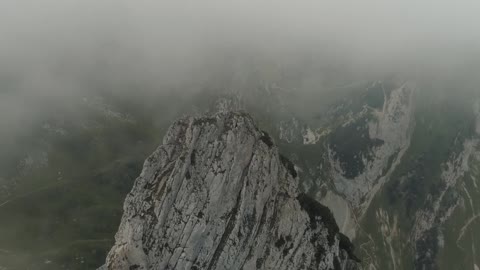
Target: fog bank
(55, 50)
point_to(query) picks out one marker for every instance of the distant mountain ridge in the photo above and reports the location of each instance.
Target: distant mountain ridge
(396, 161)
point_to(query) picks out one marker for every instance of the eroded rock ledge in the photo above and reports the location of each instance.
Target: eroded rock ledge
(217, 195)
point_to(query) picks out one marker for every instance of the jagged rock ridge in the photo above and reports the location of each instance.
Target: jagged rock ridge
(217, 195)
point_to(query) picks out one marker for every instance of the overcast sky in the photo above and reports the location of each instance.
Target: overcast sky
(165, 35)
(50, 47)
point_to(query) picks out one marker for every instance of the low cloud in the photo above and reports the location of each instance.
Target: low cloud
(52, 50)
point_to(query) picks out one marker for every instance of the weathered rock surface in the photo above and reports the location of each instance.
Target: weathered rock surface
(217, 195)
(390, 129)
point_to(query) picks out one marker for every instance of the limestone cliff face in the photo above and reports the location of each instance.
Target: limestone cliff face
(389, 132)
(217, 195)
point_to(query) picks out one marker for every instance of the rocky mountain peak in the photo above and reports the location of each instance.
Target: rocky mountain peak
(217, 195)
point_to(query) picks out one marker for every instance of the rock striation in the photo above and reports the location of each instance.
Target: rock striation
(217, 195)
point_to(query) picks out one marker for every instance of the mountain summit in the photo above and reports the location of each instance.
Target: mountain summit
(217, 195)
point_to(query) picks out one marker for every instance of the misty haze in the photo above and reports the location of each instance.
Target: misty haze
(239, 135)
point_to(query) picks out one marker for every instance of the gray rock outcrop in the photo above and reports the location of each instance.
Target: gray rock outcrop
(217, 195)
